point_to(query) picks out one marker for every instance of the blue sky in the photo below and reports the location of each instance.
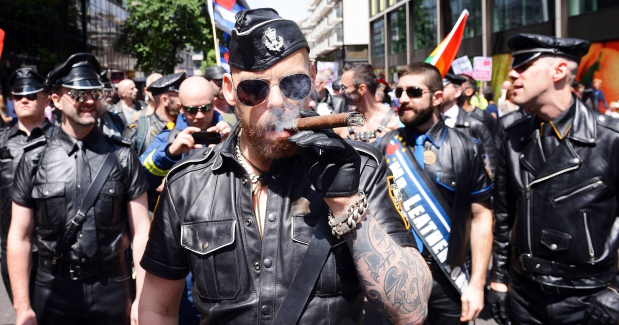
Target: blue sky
(289, 9)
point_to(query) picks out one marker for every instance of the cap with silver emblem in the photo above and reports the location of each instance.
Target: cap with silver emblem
(80, 71)
(26, 81)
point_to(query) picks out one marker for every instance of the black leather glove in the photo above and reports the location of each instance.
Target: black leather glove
(499, 306)
(603, 308)
(332, 165)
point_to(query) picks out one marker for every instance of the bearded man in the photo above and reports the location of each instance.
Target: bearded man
(261, 219)
(446, 192)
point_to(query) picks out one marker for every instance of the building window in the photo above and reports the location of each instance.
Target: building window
(424, 24)
(373, 7)
(381, 5)
(397, 30)
(391, 3)
(378, 38)
(338, 10)
(339, 34)
(473, 23)
(577, 7)
(509, 14)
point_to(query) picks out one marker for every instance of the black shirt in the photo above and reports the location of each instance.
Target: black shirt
(45, 181)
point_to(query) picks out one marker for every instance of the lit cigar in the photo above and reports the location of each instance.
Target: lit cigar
(327, 122)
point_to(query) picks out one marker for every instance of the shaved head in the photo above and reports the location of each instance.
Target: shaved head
(195, 91)
(127, 89)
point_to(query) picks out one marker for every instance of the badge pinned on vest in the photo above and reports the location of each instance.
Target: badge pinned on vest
(486, 161)
(429, 157)
(273, 42)
(396, 197)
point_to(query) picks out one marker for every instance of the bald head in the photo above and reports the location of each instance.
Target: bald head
(195, 91)
(127, 89)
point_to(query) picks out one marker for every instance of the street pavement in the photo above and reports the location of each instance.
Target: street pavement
(7, 314)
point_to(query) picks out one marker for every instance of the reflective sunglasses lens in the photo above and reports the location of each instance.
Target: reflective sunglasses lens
(296, 86)
(252, 92)
(398, 92)
(97, 94)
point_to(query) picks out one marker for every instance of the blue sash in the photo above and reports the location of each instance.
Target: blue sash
(424, 208)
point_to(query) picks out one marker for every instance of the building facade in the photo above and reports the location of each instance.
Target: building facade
(404, 31)
(336, 32)
(41, 34)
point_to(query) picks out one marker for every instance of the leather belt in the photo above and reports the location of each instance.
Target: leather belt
(530, 286)
(542, 266)
(76, 271)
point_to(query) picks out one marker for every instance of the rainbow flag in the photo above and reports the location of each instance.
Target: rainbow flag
(1, 41)
(445, 53)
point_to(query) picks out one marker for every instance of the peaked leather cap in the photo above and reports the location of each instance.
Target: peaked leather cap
(170, 82)
(26, 81)
(526, 47)
(80, 71)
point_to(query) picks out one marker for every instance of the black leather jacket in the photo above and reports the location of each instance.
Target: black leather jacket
(336, 103)
(557, 220)
(205, 223)
(473, 126)
(508, 119)
(13, 141)
(45, 181)
(461, 178)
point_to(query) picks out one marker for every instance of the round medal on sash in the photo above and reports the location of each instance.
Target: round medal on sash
(429, 157)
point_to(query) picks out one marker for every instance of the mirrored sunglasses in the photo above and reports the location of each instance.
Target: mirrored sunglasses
(194, 109)
(252, 92)
(32, 96)
(79, 95)
(411, 92)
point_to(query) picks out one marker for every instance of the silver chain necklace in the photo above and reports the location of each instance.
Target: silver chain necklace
(256, 180)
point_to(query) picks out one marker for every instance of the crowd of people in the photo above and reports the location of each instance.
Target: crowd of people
(202, 205)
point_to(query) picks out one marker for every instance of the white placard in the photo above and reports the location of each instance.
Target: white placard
(462, 65)
(482, 68)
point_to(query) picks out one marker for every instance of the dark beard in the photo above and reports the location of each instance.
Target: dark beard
(421, 116)
(270, 148)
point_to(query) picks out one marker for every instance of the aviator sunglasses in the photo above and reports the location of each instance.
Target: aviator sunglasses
(79, 95)
(252, 92)
(411, 92)
(194, 109)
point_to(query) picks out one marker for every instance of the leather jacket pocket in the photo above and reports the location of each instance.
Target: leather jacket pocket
(578, 190)
(50, 198)
(110, 207)
(214, 256)
(446, 179)
(556, 241)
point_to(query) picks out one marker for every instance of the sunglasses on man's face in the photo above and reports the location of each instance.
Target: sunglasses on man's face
(194, 109)
(252, 92)
(218, 82)
(411, 92)
(79, 95)
(33, 96)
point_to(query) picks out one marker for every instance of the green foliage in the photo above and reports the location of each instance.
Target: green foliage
(156, 31)
(209, 60)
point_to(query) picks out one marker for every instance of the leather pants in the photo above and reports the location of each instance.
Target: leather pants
(445, 305)
(533, 303)
(105, 298)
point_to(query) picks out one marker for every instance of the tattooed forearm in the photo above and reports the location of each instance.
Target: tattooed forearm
(396, 280)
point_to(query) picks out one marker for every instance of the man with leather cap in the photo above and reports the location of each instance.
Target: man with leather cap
(451, 164)
(167, 106)
(215, 76)
(31, 131)
(469, 124)
(244, 215)
(557, 230)
(109, 122)
(83, 276)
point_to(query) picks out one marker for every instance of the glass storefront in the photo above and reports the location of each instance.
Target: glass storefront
(424, 23)
(397, 31)
(509, 14)
(577, 7)
(378, 38)
(473, 22)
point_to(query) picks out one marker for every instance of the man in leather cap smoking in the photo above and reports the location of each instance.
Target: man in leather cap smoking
(246, 244)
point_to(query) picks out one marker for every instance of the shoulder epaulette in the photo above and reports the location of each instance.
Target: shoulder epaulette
(38, 142)
(608, 122)
(477, 117)
(121, 141)
(366, 149)
(198, 156)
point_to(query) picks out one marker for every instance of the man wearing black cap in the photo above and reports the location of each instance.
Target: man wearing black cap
(167, 106)
(272, 225)
(81, 199)
(446, 192)
(109, 122)
(215, 75)
(31, 131)
(556, 234)
(469, 124)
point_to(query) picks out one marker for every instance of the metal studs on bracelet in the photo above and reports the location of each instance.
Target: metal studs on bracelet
(344, 224)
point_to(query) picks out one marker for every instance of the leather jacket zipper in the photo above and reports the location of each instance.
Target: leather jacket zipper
(589, 242)
(578, 191)
(528, 197)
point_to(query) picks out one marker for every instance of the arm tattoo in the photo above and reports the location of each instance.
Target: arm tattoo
(396, 280)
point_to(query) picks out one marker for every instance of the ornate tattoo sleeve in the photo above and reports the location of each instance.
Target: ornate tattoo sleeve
(396, 279)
